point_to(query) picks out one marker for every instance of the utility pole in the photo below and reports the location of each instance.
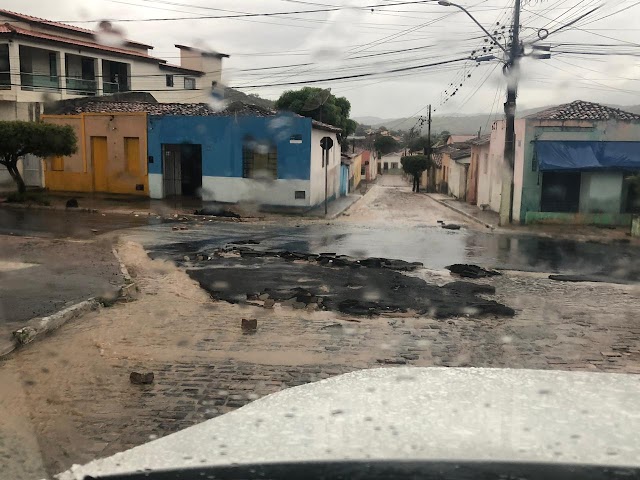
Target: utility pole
(511, 70)
(431, 171)
(506, 202)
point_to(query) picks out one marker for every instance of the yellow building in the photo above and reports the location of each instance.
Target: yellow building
(111, 155)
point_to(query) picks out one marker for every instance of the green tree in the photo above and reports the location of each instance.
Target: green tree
(384, 144)
(418, 144)
(414, 165)
(314, 103)
(40, 139)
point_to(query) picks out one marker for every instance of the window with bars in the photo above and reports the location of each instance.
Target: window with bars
(259, 161)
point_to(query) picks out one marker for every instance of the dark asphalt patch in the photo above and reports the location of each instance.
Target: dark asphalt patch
(367, 287)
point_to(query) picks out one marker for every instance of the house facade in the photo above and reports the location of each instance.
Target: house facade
(242, 154)
(458, 170)
(479, 158)
(271, 160)
(390, 163)
(572, 164)
(369, 169)
(111, 155)
(44, 61)
(41, 60)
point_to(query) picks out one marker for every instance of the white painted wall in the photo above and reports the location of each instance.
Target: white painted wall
(491, 170)
(391, 158)
(317, 172)
(457, 177)
(156, 187)
(236, 189)
(145, 75)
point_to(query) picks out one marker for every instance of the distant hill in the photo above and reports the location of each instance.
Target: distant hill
(237, 96)
(459, 124)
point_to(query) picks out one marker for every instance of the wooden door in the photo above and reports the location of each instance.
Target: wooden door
(99, 161)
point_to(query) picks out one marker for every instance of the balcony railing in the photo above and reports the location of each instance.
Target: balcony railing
(5, 81)
(33, 81)
(114, 87)
(81, 86)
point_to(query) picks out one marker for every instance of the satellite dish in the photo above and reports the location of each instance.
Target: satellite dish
(317, 100)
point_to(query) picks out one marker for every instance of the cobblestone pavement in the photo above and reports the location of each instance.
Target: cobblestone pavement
(70, 399)
(74, 394)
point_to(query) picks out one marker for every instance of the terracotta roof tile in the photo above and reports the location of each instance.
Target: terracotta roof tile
(581, 110)
(69, 41)
(51, 23)
(156, 109)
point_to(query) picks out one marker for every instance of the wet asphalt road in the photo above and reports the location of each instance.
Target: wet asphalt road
(61, 224)
(434, 247)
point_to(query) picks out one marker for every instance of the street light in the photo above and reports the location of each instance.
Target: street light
(445, 3)
(513, 56)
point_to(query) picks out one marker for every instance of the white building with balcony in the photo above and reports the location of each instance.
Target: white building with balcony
(43, 61)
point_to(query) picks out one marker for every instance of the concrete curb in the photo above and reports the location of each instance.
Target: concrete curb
(129, 290)
(40, 326)
(336, 215)
(461, 212)
(37, 327)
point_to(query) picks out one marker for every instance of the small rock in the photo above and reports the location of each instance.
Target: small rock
(312, 307)
(249, 325)
(186, 258)
(94, 230)
(332, 326)
(450, 226)
(392, 361)
(263, 296)
(269, 303)
(201, 258)
(175, 228)
(611, 354)
(138, 378)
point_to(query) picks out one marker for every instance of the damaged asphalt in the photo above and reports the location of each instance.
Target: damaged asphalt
(370, 286)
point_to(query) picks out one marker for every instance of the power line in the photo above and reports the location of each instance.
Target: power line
(404, 69)
(248, 14)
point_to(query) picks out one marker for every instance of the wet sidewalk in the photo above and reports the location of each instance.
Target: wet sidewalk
(486, 217)
(335, 208)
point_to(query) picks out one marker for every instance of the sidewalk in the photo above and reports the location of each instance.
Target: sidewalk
(487, 218)
(115, 204)
(586, 233)
(335, 207)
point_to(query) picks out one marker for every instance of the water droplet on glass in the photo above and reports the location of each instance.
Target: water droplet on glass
(110, 34)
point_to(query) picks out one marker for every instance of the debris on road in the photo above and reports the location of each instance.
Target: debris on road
(216, 212)
(138, 378)
(249, 325)
(471, 271)
(450, 226)
(576, 278)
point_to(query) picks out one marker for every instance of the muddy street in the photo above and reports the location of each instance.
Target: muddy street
(71, 398)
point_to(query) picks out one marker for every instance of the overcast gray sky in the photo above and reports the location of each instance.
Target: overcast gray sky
(358, 40)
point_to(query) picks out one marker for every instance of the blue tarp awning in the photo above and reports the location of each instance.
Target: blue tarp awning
(577, 155)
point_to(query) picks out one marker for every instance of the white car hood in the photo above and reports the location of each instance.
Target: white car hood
(411, 413)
